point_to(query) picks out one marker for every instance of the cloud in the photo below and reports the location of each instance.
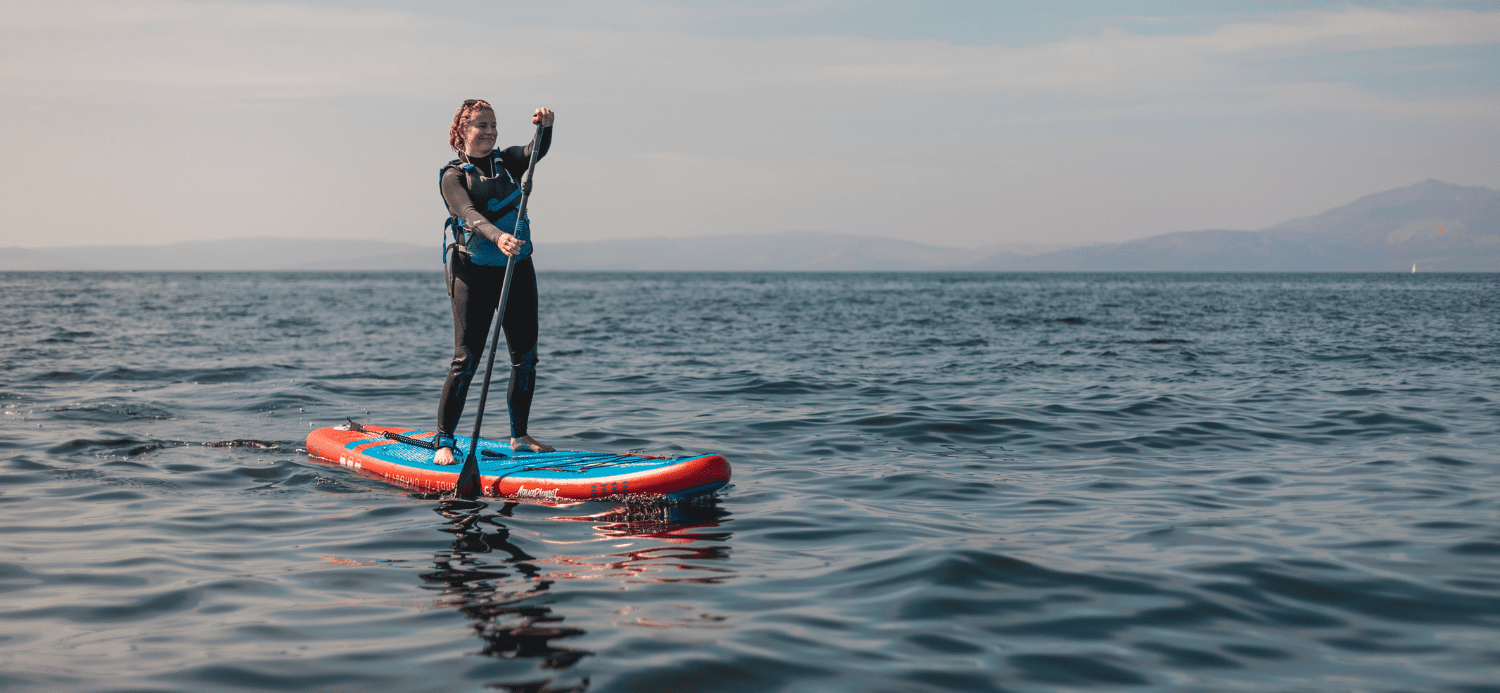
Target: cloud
(1114, 69)
(212, 50)
(278, 51)
(671, 132)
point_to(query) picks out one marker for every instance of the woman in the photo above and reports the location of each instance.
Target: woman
(482, 189)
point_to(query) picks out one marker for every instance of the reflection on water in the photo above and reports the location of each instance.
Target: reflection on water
(505, 596)
(673, 524)
(496, 598)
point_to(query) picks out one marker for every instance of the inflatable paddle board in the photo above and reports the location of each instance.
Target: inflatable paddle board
(545, 476)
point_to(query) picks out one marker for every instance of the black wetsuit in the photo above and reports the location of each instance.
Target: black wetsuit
(475, 290)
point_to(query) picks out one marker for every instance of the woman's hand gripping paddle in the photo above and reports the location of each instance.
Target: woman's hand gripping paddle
(468, 479)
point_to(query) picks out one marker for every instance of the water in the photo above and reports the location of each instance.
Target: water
(942, 482)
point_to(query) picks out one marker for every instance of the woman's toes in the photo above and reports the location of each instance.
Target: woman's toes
(529, 444)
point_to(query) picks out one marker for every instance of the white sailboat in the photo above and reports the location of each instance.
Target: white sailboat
(1413, 268)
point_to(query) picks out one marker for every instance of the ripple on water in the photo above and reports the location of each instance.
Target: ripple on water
(942, 482)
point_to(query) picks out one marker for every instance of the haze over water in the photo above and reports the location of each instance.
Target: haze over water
(977, 482)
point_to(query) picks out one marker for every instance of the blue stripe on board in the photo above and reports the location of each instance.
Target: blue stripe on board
(561, 464)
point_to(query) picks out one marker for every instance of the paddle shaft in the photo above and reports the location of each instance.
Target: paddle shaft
(469, 476)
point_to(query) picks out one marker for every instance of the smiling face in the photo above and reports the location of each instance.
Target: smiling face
(479, 133)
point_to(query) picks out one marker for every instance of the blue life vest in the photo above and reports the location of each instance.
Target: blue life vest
(498, 199)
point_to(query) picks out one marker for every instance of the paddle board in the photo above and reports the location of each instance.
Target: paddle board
(545, 476)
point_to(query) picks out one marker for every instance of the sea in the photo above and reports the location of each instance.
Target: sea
(941, 482)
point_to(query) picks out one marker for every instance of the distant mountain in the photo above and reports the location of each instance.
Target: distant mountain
(1201, 251)
(791, 250)
(1434, 224)
(773, 251)
(238, 254)
(1438, 226)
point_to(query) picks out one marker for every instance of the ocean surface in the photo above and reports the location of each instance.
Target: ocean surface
(942, 482)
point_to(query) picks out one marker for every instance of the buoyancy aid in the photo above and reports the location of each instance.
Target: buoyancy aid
(497, 198)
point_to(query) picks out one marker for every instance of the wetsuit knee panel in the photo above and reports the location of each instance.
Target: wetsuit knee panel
(528, 362)
(464, 361)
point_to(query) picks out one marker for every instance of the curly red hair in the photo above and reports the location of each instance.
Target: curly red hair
(461, 117)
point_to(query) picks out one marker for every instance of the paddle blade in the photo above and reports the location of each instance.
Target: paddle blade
(468, 478)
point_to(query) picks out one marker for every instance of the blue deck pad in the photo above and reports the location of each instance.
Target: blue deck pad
(497, 459)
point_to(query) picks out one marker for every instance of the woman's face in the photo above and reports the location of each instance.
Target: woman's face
(479, 134)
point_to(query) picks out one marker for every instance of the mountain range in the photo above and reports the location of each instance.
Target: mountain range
(1434, 225)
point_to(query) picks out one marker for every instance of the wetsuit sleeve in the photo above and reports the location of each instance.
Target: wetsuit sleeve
(516, 159)
(459, 202)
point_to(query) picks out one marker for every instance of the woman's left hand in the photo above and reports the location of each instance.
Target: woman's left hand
(510, 245)
(542, 116)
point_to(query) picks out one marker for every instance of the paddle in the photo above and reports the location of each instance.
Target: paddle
(468, 479)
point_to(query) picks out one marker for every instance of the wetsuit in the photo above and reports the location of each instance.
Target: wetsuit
(476, 272)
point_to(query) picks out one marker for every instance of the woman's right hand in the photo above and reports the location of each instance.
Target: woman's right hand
(510, 245)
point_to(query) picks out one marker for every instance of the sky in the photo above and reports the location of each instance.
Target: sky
(963, 123)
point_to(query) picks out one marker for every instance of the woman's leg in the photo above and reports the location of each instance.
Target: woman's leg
(476, 292)
(520, 337)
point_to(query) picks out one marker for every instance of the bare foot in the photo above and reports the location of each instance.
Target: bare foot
(444, 456)
(529, 444)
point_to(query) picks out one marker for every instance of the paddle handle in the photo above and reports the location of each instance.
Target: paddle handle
(469, 476)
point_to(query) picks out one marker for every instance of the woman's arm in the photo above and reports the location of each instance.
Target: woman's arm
(516, 159)
(459, 202)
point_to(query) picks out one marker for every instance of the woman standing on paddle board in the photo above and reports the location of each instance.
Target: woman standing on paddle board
(481, 188)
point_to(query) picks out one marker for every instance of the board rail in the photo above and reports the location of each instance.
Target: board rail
(549, 477)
